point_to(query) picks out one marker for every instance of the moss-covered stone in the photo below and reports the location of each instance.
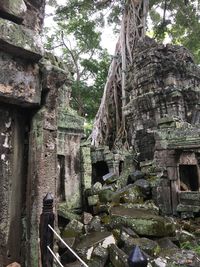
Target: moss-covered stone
(73, 229)
(106, 195)
(118, 257)
(142, 222)
(63, 211)
(147, 245)
(69, 119)
(20, 41)
(128, 194)
(93, 200)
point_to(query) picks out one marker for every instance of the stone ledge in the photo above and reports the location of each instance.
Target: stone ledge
(16, 39)
(13, 10)
(19, 82)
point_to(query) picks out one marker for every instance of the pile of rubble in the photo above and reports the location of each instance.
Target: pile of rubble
(119, 217)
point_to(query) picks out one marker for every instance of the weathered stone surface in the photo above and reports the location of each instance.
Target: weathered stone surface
(189, 198)
(86, 217)
(93, 200)
(64, 212)
(126, 233)
(19, 81)
(147, 245)
(117, 257)
(144, 186)
(184, 236)
(143, 223)
(99, 256)
(12, 167)
(95, 224)
(177, 257)
(148, 205)
(188, 208)
(135, 176)
(20, 41)
(166, 243)
(53, 76)
(87, 244)
(106, 195)
(73, 229)
(34, 16)
(109, 178)
(13, 9)
(69, 119)
(86, 166)
(130, 193)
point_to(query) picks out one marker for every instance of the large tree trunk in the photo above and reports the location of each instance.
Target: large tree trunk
(110, 126)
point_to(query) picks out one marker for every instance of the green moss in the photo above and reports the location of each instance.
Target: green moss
(20, 37)
(69, 119)
(64, 212)
(143, 223)
(191, 246)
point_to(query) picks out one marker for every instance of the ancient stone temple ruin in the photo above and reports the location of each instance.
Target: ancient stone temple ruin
(41, 150)
(162, 124)
(40, 135)
(163, 121)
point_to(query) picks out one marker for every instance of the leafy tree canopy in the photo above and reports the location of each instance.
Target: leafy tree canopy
(78, 34)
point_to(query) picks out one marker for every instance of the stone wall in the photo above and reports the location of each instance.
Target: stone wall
(32, 100)
(162, 114)
(163, 81)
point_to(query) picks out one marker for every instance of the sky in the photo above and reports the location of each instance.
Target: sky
(108, 41)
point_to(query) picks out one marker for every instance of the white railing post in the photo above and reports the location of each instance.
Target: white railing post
(70, 249)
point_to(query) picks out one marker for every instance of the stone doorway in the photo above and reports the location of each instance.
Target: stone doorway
(99, 169)
(189, 179)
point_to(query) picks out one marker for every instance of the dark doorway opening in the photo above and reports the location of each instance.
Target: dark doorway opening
(121, 166)
(189, 179)
(61, 178)
(99, 169)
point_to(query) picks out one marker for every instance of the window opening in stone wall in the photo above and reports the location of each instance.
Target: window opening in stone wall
(189, 180)
(121, 166)
(61, 182)
(99, 169)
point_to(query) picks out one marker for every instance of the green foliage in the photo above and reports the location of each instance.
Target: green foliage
(78, 36)
(190, 246)
(90, 94)
(180, 21)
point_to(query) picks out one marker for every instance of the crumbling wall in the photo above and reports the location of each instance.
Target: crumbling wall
(163, 81)
(162, 114)
(30, 101)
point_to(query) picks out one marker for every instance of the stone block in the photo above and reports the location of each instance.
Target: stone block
(93, 200)
(19, 81)
(13, 10)
(142, 222)
(118, 258)
(89, 242)
(106, 195)
(20, 41)
(99, 256)
(64, 212)
(110, 178)
(73, 229)
(147, 245)
(188, 208)
(189, 198)
(86, 217)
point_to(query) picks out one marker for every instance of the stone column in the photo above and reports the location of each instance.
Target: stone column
(42, 172)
